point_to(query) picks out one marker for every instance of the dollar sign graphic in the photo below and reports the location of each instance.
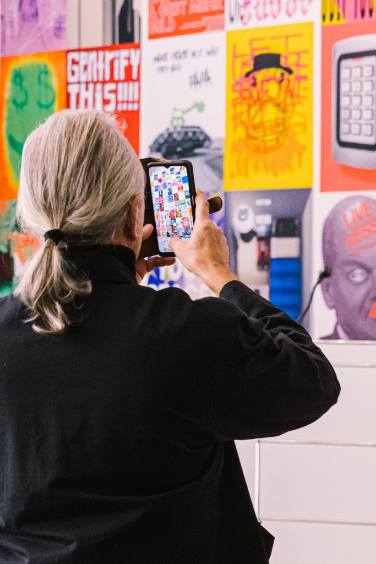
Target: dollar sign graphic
(47, 94)
(21, 97)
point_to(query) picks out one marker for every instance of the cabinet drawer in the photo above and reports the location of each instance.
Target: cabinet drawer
(310, 543)
(317, 483)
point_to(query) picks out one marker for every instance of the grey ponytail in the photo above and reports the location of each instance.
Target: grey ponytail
(47, 288)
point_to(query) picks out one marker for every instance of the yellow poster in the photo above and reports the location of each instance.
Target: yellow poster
(269, 108)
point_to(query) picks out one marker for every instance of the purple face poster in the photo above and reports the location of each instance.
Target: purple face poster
(349, 254)
(32, 26)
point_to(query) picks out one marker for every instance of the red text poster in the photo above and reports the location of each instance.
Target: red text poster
(108, 79)
(179, 17)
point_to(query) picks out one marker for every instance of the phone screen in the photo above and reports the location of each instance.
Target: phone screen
(172, 204)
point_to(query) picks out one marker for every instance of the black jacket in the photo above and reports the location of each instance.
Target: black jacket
(117, 438)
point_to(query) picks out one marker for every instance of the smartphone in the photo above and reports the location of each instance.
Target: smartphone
(169, 203)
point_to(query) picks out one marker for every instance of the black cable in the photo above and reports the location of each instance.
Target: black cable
(324, 274)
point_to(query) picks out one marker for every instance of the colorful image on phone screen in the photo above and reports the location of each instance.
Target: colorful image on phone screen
(172, 203)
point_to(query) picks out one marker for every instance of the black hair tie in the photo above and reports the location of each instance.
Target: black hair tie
(56, 235)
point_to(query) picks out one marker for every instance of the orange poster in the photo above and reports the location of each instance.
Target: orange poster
(108, 79)
(178, 17)
(32, 88)
(348, 138)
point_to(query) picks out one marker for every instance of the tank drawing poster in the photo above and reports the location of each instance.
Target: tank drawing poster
(269, 108)
(183, 111)
(183, 116)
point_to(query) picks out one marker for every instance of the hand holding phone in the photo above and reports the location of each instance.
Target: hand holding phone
(169, 214)
(206, 253)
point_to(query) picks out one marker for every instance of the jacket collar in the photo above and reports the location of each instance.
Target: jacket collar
(104, 263)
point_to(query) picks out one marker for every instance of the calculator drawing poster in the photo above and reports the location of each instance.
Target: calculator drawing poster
(269, 109)
(348, 132)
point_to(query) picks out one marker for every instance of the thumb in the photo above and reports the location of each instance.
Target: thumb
(147, 230)
(176, 243)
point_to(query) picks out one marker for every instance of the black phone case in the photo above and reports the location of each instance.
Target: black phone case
(150, 246)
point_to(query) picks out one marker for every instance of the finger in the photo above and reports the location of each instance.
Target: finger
(176, 243)
(158, 262)
(147, 230)
(202, 207)
(141, 268)
(166, 261)
(215, 204)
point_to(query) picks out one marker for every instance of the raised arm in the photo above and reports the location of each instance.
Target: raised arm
(274, 378)
(269, 377)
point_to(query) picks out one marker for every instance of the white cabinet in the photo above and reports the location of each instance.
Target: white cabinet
(315, 488)
(325, 483)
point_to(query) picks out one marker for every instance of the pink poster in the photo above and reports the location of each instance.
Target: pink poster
(348, 126)
(32, 26)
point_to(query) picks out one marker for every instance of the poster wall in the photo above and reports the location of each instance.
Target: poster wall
(174, 17)
(32, 26)
(269, 117)
(265, 231)
(345, 306)
(108, 79)
(348, 142)
(242, 14)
